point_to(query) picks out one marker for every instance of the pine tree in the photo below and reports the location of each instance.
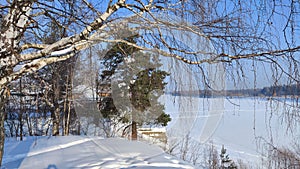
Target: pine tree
(143, 88)
(226, 162)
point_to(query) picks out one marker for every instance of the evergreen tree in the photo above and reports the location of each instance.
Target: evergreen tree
(139, 79)
(226, 162)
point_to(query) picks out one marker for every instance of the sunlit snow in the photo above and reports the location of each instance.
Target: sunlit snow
(86, 152)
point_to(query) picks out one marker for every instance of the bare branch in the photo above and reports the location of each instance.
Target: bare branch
(34, 46)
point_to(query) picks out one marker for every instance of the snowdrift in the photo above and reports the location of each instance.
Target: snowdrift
(86, 152)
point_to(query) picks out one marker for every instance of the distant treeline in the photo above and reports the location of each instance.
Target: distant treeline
(282, 90)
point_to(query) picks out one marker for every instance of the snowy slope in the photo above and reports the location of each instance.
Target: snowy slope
(86, 152)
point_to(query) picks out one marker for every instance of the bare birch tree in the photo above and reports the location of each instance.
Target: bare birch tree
(257, 31)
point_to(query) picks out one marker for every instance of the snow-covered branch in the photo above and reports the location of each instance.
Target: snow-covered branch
(34, 66)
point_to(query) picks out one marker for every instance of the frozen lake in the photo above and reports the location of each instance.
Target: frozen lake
(243, 125)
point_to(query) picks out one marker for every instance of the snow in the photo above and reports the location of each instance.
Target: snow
(243, 125)
(238, 124)
(86, 152)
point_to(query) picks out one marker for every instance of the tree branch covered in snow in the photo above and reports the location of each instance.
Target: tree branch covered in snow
(232, 34)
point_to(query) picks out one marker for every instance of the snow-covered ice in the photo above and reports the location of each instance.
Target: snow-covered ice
(244, 125)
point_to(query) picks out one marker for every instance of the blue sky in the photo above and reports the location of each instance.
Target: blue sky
(256, 74)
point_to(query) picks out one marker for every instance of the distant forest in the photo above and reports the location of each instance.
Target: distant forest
(283, 90)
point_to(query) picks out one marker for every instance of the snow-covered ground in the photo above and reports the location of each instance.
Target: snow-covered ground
(86, 152)
(242, 125)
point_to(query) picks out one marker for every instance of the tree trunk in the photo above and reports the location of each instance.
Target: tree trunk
(67, 103)
(2, 130)
(56, 120)
(56, 96)
(21, 111)
(78, 130)
(134, 131)
(21, 126)
(3, 98)
(29, 125)
(67, 126)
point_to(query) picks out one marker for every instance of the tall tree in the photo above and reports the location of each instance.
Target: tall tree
(146, 78)
(60, 81)
(149, 110)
